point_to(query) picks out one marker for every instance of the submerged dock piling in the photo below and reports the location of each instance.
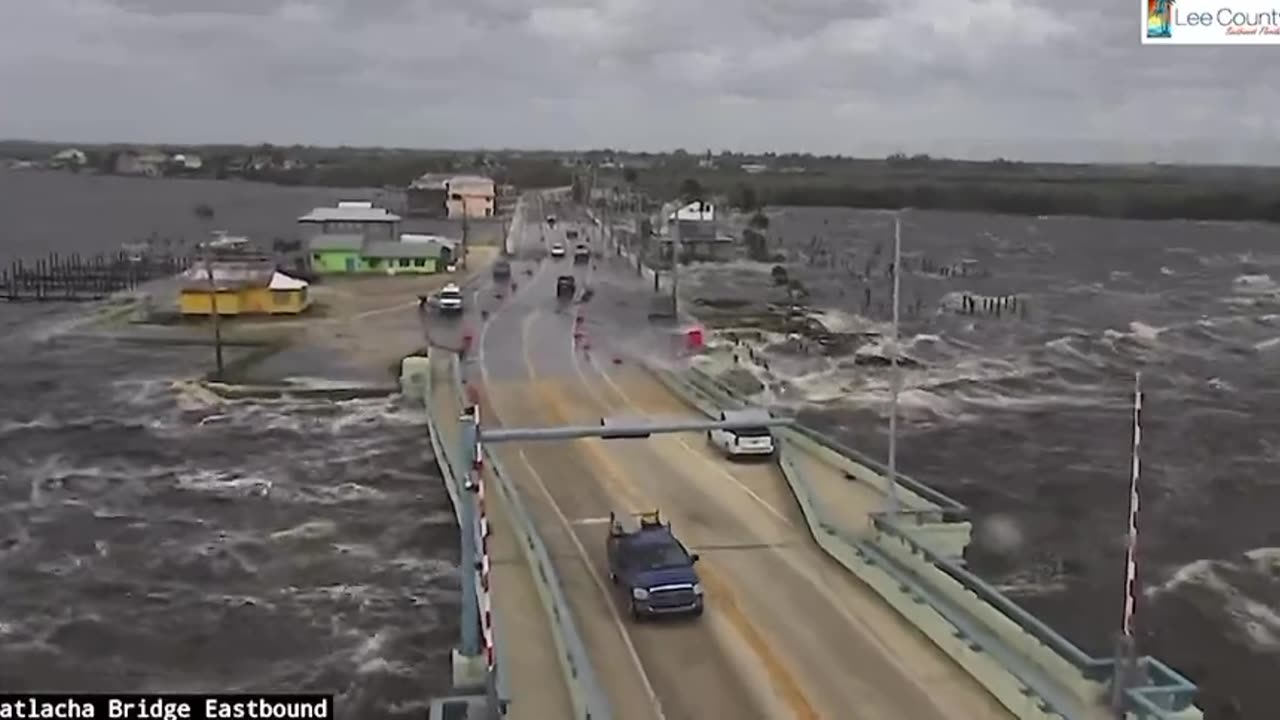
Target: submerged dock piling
(76, 278)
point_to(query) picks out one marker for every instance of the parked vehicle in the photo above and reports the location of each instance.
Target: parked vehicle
(744, 442)
(653, 568)
(581, 254)
(501, 269)
(557, 251)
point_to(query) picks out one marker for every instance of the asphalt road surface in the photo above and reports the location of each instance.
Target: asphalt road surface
(788, 633)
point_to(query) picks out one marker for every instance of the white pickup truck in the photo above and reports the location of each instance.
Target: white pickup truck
(744, 442)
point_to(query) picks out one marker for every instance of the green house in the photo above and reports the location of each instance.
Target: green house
(352, 254)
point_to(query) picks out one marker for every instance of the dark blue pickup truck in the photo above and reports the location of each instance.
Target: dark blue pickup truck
(653, 568)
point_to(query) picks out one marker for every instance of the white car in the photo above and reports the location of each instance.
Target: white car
(743, 442)
(449, 299)
(557, 251)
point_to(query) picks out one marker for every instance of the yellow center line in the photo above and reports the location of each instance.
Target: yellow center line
(720, 595)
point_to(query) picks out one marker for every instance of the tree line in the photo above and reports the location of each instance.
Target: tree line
(1139, 201)
(1139, 198)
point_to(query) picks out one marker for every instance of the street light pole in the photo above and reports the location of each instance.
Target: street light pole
(894, 368)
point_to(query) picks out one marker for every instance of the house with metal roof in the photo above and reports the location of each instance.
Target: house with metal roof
(352, 217)
(241, 288)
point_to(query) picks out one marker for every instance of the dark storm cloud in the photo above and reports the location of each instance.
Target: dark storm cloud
(848, 76)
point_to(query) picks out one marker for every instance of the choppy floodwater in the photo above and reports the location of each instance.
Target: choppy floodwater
(1028, 418)
(151, 538)
(156, 538)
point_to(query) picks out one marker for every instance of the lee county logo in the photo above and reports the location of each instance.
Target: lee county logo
(1211, 22)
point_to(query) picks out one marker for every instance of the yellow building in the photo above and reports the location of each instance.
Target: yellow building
(240, 290)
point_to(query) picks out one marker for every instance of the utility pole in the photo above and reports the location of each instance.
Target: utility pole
(896, 376)
(675, 266)
(213, 310)
(466, 227)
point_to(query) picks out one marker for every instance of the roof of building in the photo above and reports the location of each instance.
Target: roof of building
(697, 211)
(349, 214)
(280, 281)
(472, 182)
(336, 243)
(228, 275)
(390, 249)
(431, 181)
(451, 243)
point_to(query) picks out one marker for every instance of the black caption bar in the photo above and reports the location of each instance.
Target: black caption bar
(166, 707)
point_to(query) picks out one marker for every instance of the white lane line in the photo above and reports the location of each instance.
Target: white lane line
(701, 457)
(605, 590)
(823, 588)
(592, 521)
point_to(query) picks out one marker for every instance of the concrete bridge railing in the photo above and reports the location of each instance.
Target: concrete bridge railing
(590, 702)
(914, 560)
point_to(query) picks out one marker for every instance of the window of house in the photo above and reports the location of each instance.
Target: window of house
(316, 257)
(419, 262)
(375, 263)
(404, 262)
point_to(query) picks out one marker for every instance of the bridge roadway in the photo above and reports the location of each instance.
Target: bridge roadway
(788, 632)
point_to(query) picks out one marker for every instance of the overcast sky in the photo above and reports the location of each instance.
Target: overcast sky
(1033, 79)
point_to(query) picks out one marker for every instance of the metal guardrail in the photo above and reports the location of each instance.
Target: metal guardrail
(589, 700)
(457, 494)
(1165, 692)
(952, 507)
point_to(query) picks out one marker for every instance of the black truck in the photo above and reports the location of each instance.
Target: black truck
(653, 568)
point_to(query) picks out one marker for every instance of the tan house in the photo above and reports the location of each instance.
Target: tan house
(470, 196)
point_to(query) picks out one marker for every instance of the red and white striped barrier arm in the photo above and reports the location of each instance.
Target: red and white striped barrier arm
(485, 595)
(1131, 546)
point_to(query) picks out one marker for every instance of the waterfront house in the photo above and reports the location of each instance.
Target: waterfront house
(69, 158)
(146, 163)
(470, 196)
(699, 234)
(426, 196)
(354, 254)
(361, 218)
(241, 288)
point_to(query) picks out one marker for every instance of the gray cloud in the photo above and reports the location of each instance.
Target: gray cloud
(1018, 78)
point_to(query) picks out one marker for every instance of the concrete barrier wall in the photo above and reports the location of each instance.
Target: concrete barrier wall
(909, 567)
(589, 700)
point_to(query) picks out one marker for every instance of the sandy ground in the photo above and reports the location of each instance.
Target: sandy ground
(366, 326)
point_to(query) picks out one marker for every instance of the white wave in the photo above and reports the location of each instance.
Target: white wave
(1254, 284)
(1259, 622)
(310, 530)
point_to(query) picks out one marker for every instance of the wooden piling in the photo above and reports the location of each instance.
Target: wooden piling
(76, 278)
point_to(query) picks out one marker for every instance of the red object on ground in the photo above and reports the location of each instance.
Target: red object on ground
(473, 397)
(617, 360)
(466, 341)
(693, 339)
(578, 320)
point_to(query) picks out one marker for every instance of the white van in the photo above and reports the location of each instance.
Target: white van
(743, 442)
